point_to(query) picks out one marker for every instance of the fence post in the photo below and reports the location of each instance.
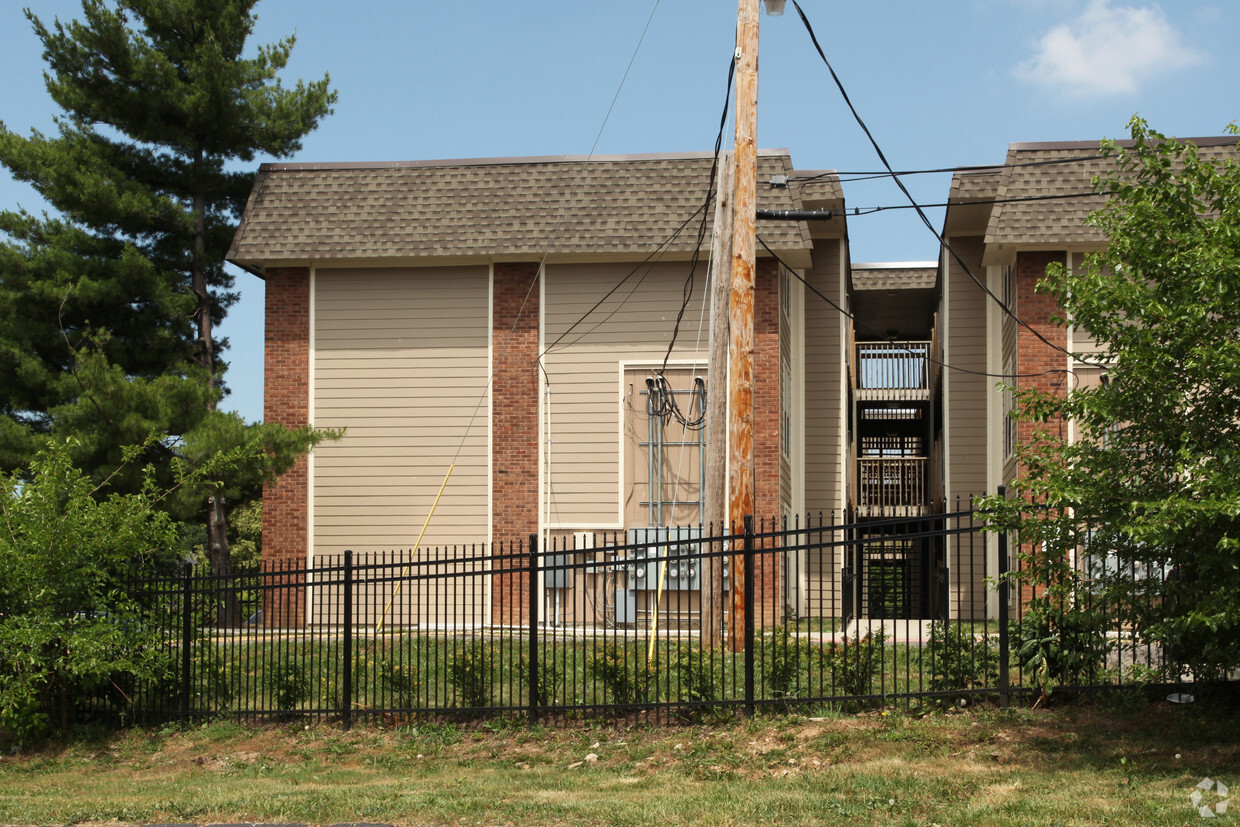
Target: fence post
(533, 655)
(1002, 570)
(187, 631)
(749, 613)
(347, 681)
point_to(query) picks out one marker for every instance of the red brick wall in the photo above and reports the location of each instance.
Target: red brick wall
(1034, 356)
(286, 401)
(514, 427)
(768, 588)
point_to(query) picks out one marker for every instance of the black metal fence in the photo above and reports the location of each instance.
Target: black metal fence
(655, 624)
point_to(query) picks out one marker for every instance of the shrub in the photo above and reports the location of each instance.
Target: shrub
(958, 659)
(550, 680)
(288, 685)
(69, 627)
(401, 681)
(855, 666)
(1056, 647)
(624, 675)
(471, 675)
(786, 660)
(695, 671)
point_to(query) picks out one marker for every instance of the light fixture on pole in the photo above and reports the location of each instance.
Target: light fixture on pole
(775, 7)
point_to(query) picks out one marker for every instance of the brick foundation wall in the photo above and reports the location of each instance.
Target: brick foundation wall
(1033, 356)
(768, 588)
(514, 429)
(286, 401)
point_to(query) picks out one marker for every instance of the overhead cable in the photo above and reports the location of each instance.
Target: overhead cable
(917, 207)
(860, 325)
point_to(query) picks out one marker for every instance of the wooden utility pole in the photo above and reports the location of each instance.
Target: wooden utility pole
(715, 485)
(740, 309)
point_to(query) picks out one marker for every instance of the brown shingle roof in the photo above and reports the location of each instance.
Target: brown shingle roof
(815, 187)
(1058, 189)
(911, 275)
(615, 206)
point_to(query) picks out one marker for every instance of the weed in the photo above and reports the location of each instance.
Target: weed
(1057, 647)
(855, 666)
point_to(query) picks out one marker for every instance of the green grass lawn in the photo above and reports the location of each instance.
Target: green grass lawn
(1117, 763)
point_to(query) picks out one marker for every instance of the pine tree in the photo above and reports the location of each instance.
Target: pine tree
(108, 309)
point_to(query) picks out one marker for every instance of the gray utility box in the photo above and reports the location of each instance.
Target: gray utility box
(556, 571)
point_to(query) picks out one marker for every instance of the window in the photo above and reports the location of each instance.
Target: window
(1009, 287)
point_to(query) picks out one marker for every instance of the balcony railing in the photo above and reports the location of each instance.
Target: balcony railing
(892, 486)
(893, 370)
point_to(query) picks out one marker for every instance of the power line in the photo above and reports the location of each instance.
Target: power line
(687, 291)
(863, 211)
(658, 250)
(865, 175)
(872, 332)
(551, 239)
(913, 201)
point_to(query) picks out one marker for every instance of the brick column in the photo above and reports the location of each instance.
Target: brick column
(768, 588)
(514, 431)
(286, 401)
(1034, 356)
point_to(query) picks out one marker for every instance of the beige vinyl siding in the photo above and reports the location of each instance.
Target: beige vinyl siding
(966, 393)
(965, 421)
(824, 377)
(1081, 342)
(400, 361)
(582, 370)
(824, 368)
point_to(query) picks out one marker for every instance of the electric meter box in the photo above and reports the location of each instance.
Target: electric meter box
(680, 547)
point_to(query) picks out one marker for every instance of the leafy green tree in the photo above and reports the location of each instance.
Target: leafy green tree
(68, 621)
(108, 309)
(1148, 494)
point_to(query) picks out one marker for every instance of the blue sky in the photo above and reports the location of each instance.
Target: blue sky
(939, 84)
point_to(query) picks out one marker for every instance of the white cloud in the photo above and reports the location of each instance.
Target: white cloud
(1108, 50)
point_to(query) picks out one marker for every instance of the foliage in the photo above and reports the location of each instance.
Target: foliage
(400, 681)
(551, 682)
(215, 677)
(1064, 646)
(108, 307)
(855, 665)
(1146, 499)
(245, 523)
(288, 684)
(959, 658)
(68, 625)
(785, 660)
(470, 671)
(695, 670)
(624, 674)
